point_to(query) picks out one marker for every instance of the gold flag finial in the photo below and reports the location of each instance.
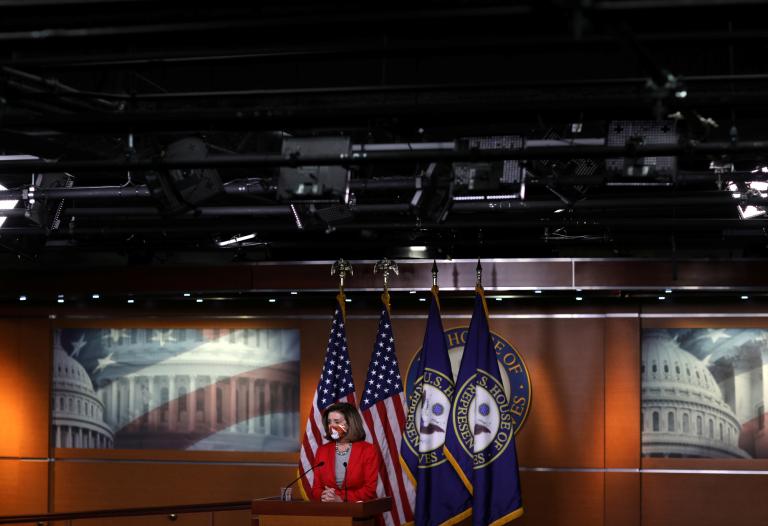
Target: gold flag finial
(385, 266)
(479, 271)
(434, 273)
(342, 268)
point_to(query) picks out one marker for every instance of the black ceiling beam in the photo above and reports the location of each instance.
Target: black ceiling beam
(685, 148)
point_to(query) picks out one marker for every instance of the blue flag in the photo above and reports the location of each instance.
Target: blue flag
(441, 498)
(481, 439)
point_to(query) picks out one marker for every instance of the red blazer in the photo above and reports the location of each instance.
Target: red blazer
(362, 472)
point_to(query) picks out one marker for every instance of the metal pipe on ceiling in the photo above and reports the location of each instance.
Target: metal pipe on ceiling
(224, 211)
(685, 148)
(724, 198)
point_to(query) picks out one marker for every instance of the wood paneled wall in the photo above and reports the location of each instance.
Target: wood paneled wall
(579, 449)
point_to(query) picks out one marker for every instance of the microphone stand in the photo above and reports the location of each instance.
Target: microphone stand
(319, 464)
(345, 482)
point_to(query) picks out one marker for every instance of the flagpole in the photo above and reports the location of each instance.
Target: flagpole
(479, 286)
(386, 266)
(342, 268)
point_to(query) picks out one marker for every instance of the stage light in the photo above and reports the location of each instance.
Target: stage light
(236, 240)
(199, 300)
(296, 217)
(272, 300)
(498, 299)
(348, 300)
(647, 133)
(294, 293)
(537, 291)
(314, 182)
(745, 297)
(131, 301)
(667, 291)
(95, 296)
(662, 298)
(579, 298)
(422, 299)
(22, 298)
(187, 294)
(179, 190)
(412, 292)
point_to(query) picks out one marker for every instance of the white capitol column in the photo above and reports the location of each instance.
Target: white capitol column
(251, 406)
(191, 404)
(742, 383)
(268, 408)
(131, 399)
(232, 421)
(112, 409)
(173, 403)
(210, 405)
(151, 402)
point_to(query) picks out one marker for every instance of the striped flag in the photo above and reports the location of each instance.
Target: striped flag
(335, 385)
(481, 440)
(383, 409)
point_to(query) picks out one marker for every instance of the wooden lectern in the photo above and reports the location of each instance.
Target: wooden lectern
(275, 512)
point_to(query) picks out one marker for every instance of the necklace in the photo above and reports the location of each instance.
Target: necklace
(343, 452)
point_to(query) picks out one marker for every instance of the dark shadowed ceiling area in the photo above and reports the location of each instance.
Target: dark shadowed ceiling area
(138, 132)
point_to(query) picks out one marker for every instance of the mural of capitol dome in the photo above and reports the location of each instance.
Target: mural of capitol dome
(77, 413)
(683, 410)
(225, 389)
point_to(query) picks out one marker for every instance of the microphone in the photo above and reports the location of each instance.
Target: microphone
(345, 482)
(319, 464)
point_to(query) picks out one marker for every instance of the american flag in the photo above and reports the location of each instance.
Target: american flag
(335, 385)
(383, 409)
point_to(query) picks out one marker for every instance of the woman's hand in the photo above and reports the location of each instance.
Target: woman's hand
(329, 495)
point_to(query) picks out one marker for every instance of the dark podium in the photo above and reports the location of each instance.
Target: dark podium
(275, 512)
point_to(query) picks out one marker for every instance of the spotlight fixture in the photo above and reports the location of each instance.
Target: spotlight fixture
(667, 291)
(294, 293)
(95, 296)
(236, 240)
(23, 297)
(579, 298)
(130, 300)
(537, 291)
(272, 300)
(754, 189)
(187, 294)
(422, 299)
(348, 300)
(745, 297)
(662, 298)
(199, 300)
(296, 217)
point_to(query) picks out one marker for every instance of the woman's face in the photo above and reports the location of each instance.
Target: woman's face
(336, 419)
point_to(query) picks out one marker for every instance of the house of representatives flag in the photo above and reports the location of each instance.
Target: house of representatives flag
(383, 410)
(335, 385)
(481, 438)
(441, 497)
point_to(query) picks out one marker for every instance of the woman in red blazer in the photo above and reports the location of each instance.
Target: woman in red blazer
(351, 468)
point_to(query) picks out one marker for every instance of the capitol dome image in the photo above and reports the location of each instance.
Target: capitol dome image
(78, 414)
(184, 388)
(683, 410)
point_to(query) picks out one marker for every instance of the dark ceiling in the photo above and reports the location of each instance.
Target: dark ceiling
(473, 129)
